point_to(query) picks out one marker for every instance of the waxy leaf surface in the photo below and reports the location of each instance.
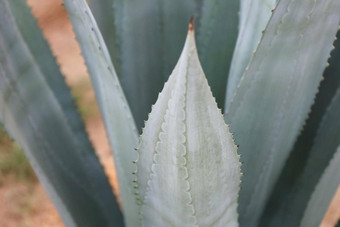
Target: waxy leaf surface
(188, 172)
(276, 93)
(118, 120)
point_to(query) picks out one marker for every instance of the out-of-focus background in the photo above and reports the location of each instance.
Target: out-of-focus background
(23, 201)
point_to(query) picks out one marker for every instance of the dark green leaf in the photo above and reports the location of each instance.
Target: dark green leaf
(118, 119)
(276, 94)
(151, 35)
(33, 116)
(45, 61)
(323, 193)
(301, 151)
(290, 211)
(216, 38)
(103, 12)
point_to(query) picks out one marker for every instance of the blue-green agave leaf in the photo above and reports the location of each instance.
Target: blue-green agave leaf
(323, 194)
(301, 151)
(32, 114)
(254, 16)
(216, 38)
(276, 93)
(290, 211)
(45, 61)
(118, 120)
(151, 35)
(188, 172)
(103, 13)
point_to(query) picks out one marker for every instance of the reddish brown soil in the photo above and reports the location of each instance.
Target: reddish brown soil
(26, 204)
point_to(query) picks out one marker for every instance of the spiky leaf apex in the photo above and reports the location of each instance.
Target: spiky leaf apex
(188, 172)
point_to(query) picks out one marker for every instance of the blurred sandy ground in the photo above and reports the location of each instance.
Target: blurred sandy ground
(28, 205)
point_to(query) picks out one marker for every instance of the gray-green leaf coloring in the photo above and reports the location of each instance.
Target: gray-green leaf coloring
(186, 153)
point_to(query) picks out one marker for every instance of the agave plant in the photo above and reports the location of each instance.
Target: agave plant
(270, 64)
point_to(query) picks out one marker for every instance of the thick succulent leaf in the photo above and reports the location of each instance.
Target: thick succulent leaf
(254, 16)
(33, 116)
(323, 194)
(216, 39)
(276, 93)
(151, 35)
(45, 61)
(187, 158)
(103, 13)
(290, 211)
(114, 108)
(301, 151)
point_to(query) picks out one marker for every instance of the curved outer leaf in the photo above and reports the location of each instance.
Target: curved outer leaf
(103, 13)
(290, 212)
(217, 33)
(254, 16)
(188, 160)
(151, 34)
(323, 194)
(276, 93)
(301, 151)
(45, 61)
(33, 117)
(114, 108)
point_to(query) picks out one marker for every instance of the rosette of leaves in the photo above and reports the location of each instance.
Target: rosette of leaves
(265, 62)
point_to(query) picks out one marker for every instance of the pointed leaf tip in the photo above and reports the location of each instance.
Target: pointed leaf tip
(188, 160)
(191, 24)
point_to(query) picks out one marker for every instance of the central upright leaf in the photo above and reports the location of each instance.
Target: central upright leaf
(188, 172)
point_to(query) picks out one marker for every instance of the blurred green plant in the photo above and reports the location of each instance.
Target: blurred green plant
(13, 161)
(82, 98)
(264, 67)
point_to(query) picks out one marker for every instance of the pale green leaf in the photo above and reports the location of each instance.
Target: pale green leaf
(254, 16)
(276, 93)
(188, 172)
(323, 194)
(290, 211)
(276, 211)
(32, 114)
(118, 120)
(103, 13)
